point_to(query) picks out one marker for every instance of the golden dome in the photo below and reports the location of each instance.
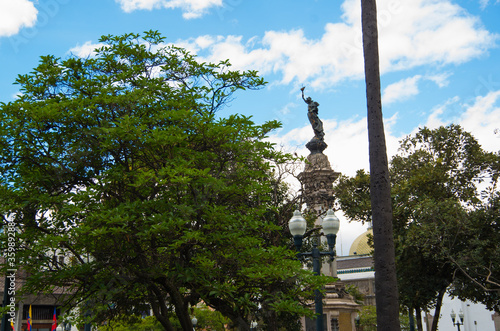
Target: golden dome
(360, 245)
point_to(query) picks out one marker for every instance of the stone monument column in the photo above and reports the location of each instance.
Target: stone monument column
(317, 181)
(318, 176)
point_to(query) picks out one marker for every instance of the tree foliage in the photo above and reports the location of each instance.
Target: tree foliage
(368, 320)
(443, 182)
(445, 202)
(119, 162)
(477, 263)
(131, 323)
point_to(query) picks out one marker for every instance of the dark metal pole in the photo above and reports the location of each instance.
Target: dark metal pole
(457, 324)
(412, 322)
(316, 257)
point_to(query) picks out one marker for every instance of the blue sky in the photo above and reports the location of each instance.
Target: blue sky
(439, 60)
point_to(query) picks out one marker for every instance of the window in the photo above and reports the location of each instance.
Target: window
(311, 324)
(335, 324)
(39, 312)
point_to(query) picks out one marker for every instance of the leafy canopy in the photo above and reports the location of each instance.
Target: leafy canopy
(119, 162)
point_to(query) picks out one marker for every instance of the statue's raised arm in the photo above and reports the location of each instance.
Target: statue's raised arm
(302, 89)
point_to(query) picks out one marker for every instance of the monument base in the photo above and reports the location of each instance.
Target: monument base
(316, 145)
(339, 310)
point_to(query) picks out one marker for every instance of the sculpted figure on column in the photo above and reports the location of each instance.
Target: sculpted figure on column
(312, 114)
(317, 143)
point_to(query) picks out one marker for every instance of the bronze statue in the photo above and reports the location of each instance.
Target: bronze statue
(312, 114)
(317, 143)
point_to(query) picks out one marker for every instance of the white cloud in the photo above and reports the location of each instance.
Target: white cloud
(406, 88)
(401, 90)
(15, 15)
(441, 80)
(484, 3)
(482, 118)
(423, 32)
(85, 50)
(190, 8)
(286, 109)
(434, 120)
(289, 53)
(411, 33)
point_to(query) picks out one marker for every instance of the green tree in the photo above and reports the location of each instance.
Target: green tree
(131, 323)
(439, 178)
(476, 263)
(368, 319)
(119, 162)
(209, 319)
(445, 202)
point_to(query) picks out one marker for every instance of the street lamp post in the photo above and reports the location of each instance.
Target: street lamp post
(330, 224)
(460, 315)
(194, 321)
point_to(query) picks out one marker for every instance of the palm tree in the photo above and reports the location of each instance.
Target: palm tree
(386, 291)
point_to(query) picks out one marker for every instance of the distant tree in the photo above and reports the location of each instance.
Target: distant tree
(208, 319)
(443, 180)
(386, 291)
(368, 319)
(353, 195)
(478, 263)
(445, 202)
(355, 293)
(119, 162)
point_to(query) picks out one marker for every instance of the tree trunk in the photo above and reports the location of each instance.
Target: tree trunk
(418, 315)
(242, 324)
(437, 311)
(160, 310)
(411, 319)
(386, 292)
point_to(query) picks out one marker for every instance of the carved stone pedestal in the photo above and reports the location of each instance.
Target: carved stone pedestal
(339, 308)
(317, 182)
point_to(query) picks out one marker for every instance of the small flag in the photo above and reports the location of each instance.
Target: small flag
(29, 319)
(54, 321)
(12, 325)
